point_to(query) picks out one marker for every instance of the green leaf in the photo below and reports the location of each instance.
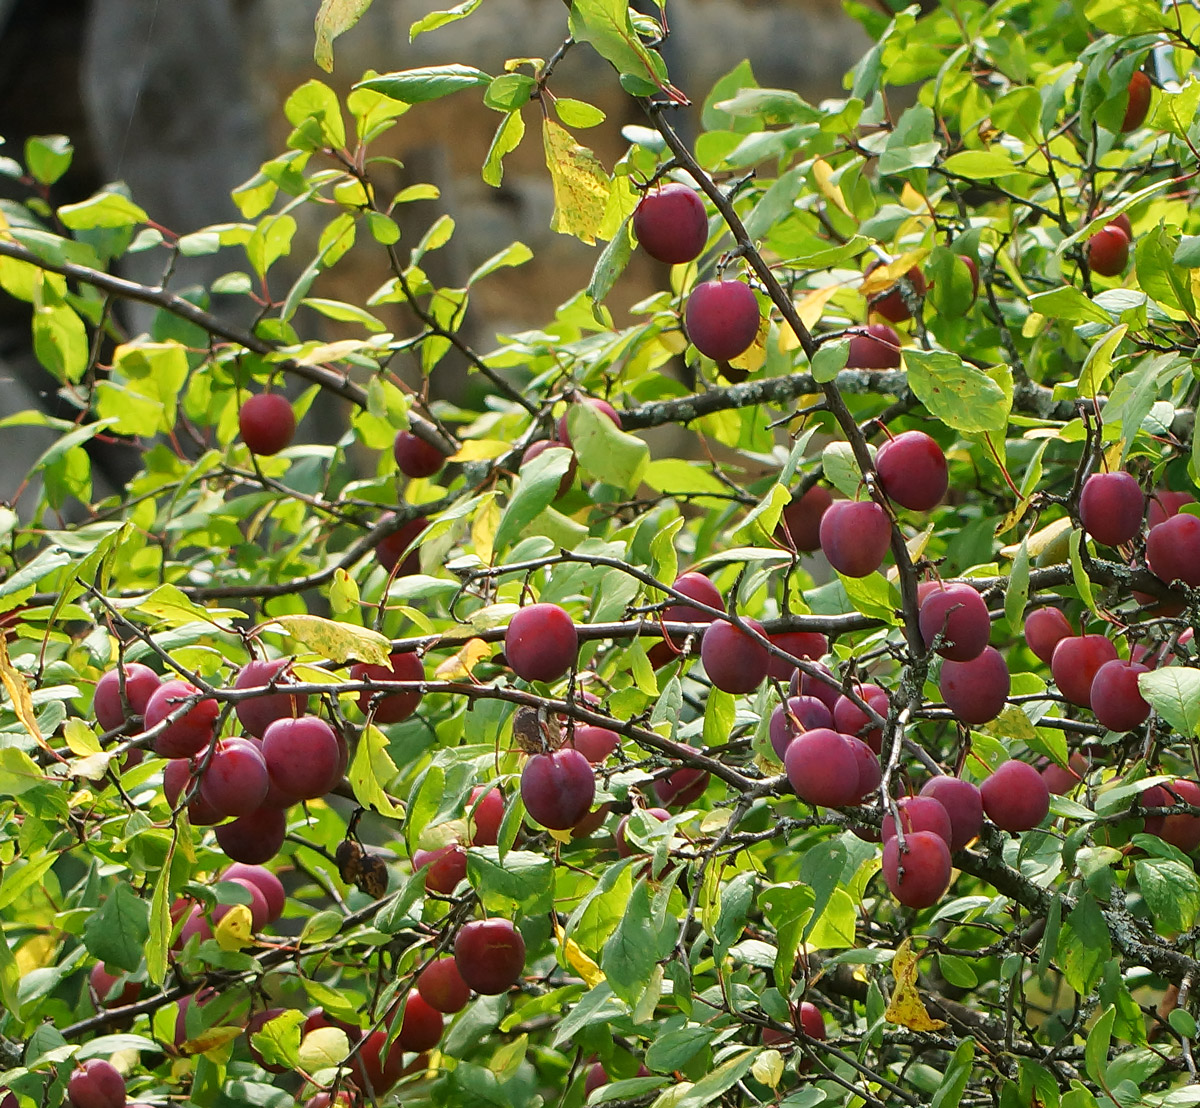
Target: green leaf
(607, 26)
(271, 240)
(1125, 17)
(507, 138)
(509, 92)
(578, 113)
(611, 263)
(982, 165)
(830, 359)
(535, 488)
(760, 522)
(316, 101)
(117, 933)
(523, 879)
(432, 82)
(1174, 693)
(334, 18)
(1158, 272)
(372, 770)
(104, 209)
(1171, 891)
(278, 1040)
(632, 950)
(434, 20)
(1082, 581)
(514, 254)
(1070, 304)
(1083, 945)
(672, 1050)
(724, 1077)
(1016, 595)
(954, 1080)
(605, 451)
(958, 394)
(1096, 1050)
(48, 157)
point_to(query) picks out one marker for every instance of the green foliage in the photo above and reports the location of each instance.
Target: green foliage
(1059, 965)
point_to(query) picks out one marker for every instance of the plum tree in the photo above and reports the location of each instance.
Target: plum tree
(302, 756)
(442, 986)
(891, 303)
(875, 346)
(671, 224)
(1076, 661)
(191, 719)
(976, 690)
(1138, 107)
(822, 768)
(963, 804)
(800, 523)
(1045, 628)
(257, 713)
(1173, 549)
(96, 1084)
(1114, 697)
(919, 813)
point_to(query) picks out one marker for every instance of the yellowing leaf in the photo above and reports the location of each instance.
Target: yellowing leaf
(581, 185)
(323, 1049)
(18, 693)
(767, 1068)
(371, 771)
(459, 667)
(339, 642)
(885, 276)
(212, 1040)
(80, 738)
(753, 358)
(577, 960)
(912, 199)
(36, 953)
(906, 1007)
(823, 175)
(810, 308)
(484, 525)
(1041, 540)
(480, 450)
(235, 929)
(334, 17)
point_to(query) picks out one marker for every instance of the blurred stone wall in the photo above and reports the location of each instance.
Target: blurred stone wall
(182, 100)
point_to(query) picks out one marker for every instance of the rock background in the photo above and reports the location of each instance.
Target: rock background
(182, 100)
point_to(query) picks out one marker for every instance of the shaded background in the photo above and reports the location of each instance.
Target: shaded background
(181, 99)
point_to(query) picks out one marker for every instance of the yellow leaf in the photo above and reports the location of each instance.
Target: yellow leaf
(480, 450)
(235, 929)
(912, 199)
(885, 276)
(36, 953)
(339, 642)
(211, 1040)
(753, 358)
(577, 960)
(823, 175)
(810, 308)
(459, 667)
(1040, 541)
(581, 185)
(18, 693)
(906, 1007)
(323, 1049)
(80, 738)
(768, 1068)
(483, 528)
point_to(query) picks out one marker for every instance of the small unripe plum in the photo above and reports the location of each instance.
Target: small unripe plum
(602, 406)
(890, 303)
(257, 713)
(963, 805)
(141, 682)
(959, 614)
(391, 548)
(1139, 101)
(541, 643)
(912, 471)
(855, 535)
(253, 839)
(799, 644)
(1108, 251)
(447, 867)
(1111, 507)
(976, 691)
(1181, 831)
(96, 1084)
(1015, 797)
(490, 955)
(267, 423)
(722, 319)
(415, 456)
(671, 224)
(393, 707)
(192, 731)
(442, 986)
(1116, 700)
(1045, 628)
(822, 768)
(1173, 549)
(558, 788)
(800, 524)
(919, 813)
(876, 346)
(919, 875)
(734, 662)
(1075, 663)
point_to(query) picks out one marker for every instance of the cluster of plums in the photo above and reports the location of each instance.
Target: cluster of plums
(245, 784)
